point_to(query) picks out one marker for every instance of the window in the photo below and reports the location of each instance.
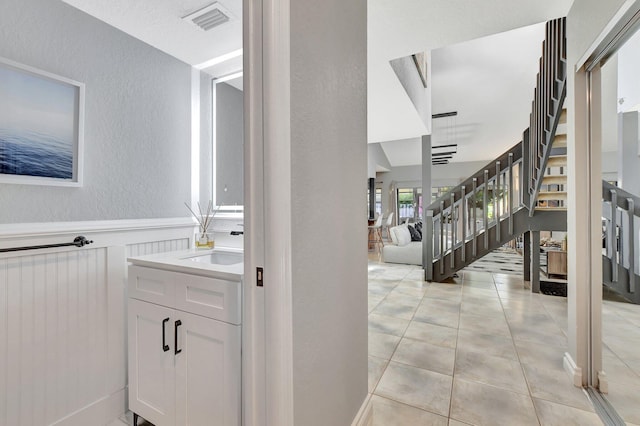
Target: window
(409, 204)
(439, 191)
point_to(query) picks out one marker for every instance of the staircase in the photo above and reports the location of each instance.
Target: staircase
(489, 208)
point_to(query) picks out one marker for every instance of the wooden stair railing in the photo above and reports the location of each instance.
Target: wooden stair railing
(621, 245)
(453, 220)
(547, 110)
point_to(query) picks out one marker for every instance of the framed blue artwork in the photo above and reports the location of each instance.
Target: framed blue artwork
(41, 127)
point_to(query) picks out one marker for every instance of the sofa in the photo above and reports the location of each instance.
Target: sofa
(402, 249)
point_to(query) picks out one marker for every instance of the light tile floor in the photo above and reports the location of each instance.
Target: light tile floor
(621, 357)
(481, 350)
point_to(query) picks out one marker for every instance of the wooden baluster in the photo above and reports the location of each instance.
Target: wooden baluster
(632, 250)
(613, 236)
(496, 205)
(485, 209)
(475, 218)
(463, 207)
(510, 204)
(428, 237)
(454, 231)
(441, 257)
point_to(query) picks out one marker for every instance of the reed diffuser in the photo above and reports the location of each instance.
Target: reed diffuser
(204, 239)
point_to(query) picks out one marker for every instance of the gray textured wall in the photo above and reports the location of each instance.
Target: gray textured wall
(329, 175)
(138, 117)
(229, 145)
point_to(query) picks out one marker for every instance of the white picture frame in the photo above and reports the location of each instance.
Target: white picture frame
(41, 127)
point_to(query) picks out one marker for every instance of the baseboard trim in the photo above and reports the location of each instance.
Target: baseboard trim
(101, 412)
(572, 369)
(365, 414)
(603, 382)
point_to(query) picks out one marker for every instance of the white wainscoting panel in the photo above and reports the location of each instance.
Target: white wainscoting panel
(55, 350)
(154, 247)
(62, 321)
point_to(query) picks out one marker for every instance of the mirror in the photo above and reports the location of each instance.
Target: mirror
(227, 140)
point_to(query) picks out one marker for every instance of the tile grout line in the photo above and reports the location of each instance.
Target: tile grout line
(524, 375)
(397, 345)
(395, 350)
(455, 355)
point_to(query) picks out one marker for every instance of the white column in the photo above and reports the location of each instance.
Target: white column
(426, 199)
(308, 193)
(584, 184)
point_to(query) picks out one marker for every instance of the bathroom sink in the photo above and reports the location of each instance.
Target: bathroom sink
(219, 258)
(218, 263)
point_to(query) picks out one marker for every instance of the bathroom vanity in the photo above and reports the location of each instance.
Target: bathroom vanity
(184, 335)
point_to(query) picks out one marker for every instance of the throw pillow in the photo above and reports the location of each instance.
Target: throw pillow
(415, 235)
(403, 235)
(394, 235)
(419, 228)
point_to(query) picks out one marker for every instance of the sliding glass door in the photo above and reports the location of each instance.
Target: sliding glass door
(613, 79)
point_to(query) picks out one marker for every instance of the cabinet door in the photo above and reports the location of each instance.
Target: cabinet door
(151, 363)
(207, 372)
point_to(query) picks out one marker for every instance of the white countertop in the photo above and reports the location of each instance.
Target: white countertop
(181, 261)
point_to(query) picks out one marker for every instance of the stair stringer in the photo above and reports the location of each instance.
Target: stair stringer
(622, 284)
(522, 222)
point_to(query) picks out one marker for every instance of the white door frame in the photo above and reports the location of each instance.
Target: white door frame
(588, 117)
(268, 370)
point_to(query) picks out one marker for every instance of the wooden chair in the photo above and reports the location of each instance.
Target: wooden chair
(375, 233)
(388, 224)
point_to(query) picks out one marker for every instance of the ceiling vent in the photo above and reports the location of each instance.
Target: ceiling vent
(210, 16)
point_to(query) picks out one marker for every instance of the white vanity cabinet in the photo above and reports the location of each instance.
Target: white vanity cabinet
(184, 335)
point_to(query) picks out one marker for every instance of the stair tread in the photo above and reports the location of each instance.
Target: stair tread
(554, 179)
(542, 208)
(557, 161)
(552, 195)
(559, 141)
(561, 131)
(563, 116)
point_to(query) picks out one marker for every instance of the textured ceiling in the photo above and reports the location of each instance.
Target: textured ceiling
(395, 29)
(160, 24)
